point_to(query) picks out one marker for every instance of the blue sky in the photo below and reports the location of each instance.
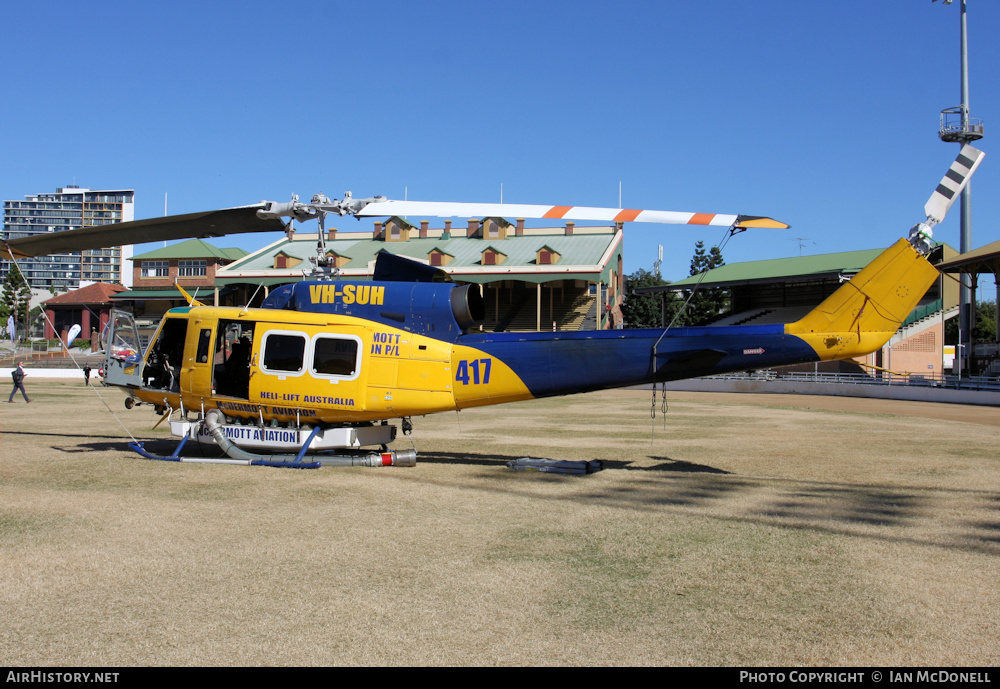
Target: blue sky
(819, 113)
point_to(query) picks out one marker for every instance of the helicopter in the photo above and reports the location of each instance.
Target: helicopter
(324, 364)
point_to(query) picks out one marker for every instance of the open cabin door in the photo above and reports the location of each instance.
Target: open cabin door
(230, 357)
(198, 361)
(122, 354)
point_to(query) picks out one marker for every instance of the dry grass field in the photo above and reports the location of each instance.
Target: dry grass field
(750, 530)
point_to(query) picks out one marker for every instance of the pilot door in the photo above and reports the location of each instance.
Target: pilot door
(164, 361)
(122, 351)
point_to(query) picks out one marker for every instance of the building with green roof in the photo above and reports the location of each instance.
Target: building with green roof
(799, 283)
(193, 264)
(783, 290)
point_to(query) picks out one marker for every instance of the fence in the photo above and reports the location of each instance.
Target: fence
(933, 380)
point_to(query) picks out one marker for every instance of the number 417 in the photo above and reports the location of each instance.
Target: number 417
(478, 368)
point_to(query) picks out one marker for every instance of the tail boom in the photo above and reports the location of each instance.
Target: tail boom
(857, 319)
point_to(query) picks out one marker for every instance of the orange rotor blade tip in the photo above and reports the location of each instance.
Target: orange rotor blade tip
(748, 221)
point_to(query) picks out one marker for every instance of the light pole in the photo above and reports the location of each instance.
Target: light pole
(958, 127)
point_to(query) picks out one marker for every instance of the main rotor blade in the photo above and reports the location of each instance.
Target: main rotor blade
(192, 225)
(520, 210)
(953, 183)
(245, 219)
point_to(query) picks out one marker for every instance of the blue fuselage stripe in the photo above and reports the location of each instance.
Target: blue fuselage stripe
(562, 363)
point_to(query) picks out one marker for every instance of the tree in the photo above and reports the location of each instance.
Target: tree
(15, 297)
(985, 328)
(706, 303)
(644, 310)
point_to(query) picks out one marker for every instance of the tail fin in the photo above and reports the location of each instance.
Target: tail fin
(865, 313)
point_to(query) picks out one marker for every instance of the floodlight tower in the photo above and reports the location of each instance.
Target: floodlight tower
(958, 127)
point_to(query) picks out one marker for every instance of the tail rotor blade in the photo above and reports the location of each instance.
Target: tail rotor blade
(952, 184)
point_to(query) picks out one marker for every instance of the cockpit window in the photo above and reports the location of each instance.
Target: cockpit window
(165, 355)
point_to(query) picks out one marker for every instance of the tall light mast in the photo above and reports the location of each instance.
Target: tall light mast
(958, 127)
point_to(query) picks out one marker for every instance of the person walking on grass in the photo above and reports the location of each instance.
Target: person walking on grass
(18, 375)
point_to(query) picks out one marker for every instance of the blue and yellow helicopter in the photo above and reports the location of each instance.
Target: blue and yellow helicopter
(324, 364)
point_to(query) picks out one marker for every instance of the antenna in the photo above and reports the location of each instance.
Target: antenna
(803, 241)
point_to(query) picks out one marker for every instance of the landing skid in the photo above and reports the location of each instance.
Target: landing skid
(287, 447)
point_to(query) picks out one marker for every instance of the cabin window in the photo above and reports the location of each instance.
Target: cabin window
(284, 352)
(335, 356)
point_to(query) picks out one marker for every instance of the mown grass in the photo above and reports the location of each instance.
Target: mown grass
(741, 535)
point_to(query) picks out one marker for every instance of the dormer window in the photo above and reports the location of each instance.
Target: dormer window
(397, 229)
(439, 258)
(492, 257)
(284, 261)
(546, 256)
(338, 260)
(494, 228)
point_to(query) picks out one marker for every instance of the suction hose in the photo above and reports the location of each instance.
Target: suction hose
(213, 424)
